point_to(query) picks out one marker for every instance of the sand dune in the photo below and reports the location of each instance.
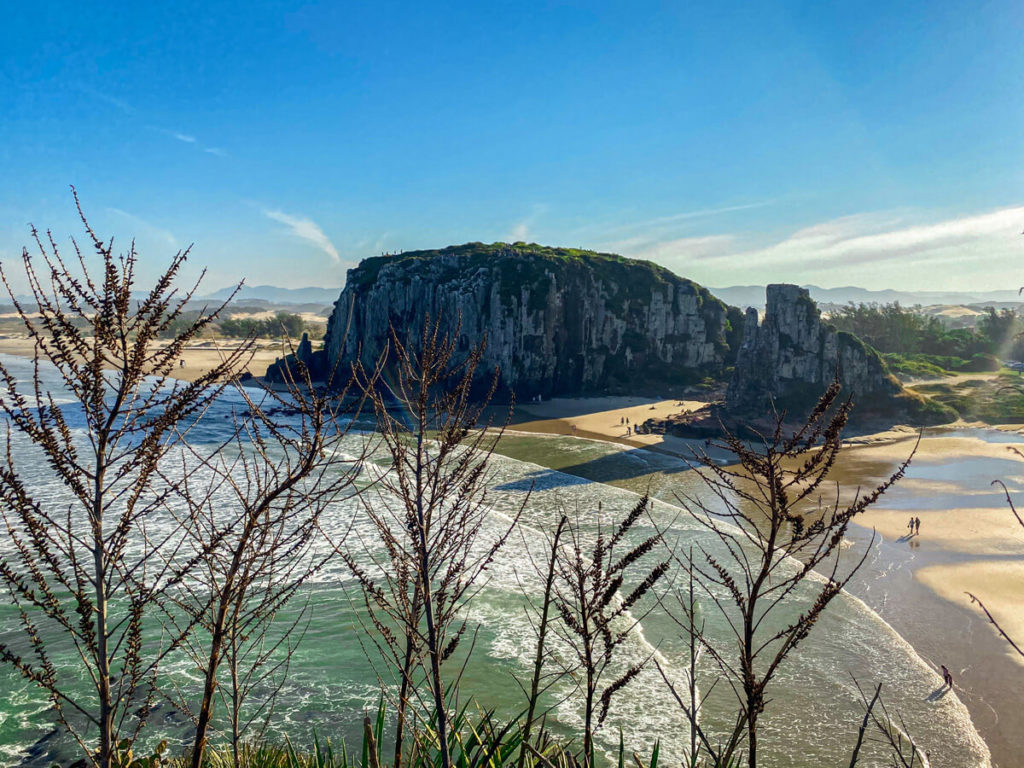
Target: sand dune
(199, 358)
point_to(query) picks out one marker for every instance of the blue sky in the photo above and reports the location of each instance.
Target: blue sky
(872, 144)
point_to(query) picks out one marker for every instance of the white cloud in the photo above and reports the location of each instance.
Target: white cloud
(664, 221)
(677, 249)
(660, 228)
(884, 249)
(188, 138)
(865, 239)
(145, 228)
(306, 229)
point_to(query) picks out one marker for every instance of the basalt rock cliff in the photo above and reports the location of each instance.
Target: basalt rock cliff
(558, 321)
(793, 355)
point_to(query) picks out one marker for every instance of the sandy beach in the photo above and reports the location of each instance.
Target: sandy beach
(199, 357)
(968, 542)
(605, 418)
(999, 584)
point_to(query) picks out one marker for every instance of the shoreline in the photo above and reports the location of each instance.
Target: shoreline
(969, 541)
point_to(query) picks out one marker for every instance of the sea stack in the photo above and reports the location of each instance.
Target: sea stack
(792, 355)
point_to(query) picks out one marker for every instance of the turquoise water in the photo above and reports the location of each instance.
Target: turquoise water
(814, 712)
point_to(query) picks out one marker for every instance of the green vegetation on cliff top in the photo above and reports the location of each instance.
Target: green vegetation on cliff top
(609, 266)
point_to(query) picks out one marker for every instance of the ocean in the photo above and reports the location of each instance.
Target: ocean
(814, 709)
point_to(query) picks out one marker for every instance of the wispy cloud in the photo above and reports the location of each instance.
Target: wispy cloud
(882, 248)
(520, 231)
(145, 228)
(372, 245)
(113, 101)
(869, 239)
(708, 246)
(677, 218)
(305, 229)
(188, 138)
(128, 109)
(656, 228)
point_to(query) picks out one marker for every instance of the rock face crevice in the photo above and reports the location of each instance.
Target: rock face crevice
(791, 357)
(557, 321)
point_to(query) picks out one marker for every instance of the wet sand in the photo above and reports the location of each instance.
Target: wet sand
(999, 584)
(968, 541)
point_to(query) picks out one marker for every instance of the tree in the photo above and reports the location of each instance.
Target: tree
(542, 627)
(769, 514)
(429, 512)
(595, 617)
(92, 570)
(999, 328)
(279, 476)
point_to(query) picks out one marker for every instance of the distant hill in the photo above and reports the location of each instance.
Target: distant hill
(753, 296)
(275, 295)
(736, 295)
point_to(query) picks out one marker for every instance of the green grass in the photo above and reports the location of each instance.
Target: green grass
(998, 400)
(476, 740)
(522, 264)
(938, 366)
(913, 369)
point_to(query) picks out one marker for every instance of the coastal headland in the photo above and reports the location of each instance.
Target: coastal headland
(597, 347)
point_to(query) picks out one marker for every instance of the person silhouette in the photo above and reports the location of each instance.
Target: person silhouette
(917, 525)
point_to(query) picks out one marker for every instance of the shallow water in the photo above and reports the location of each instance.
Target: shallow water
(814, 710)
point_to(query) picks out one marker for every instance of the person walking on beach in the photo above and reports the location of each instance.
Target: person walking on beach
(911, 526)
(947, 676)
(917, 525)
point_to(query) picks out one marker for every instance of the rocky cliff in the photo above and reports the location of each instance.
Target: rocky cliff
(792, 356)
(558, 321)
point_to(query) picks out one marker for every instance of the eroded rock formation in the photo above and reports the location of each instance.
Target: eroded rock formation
(791, 356)
(557, 321)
